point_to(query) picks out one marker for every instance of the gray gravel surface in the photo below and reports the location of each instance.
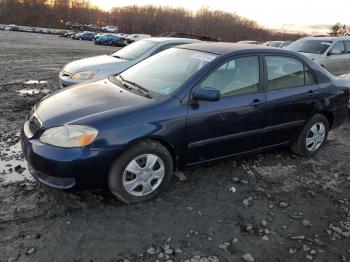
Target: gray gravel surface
(269, 207)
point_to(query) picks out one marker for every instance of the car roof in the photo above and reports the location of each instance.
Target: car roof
(328, 38)
(172, 40)
(223, 48)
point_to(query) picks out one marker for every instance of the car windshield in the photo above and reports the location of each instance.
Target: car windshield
(165, 72)
(135, 50)
(313, 46)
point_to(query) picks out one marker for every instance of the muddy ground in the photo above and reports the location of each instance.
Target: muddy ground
(274, 206)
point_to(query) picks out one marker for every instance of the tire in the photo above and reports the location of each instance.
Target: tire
(130, 187)
(309, 142)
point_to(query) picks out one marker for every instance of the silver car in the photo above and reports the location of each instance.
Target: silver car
(100, 67)
(333, 53)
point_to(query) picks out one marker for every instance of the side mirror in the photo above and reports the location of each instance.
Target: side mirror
(334, 52)
(206, 94)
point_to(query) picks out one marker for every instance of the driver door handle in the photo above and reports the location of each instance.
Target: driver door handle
(256, 102)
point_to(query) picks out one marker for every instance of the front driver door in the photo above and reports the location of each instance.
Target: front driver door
(233, 124)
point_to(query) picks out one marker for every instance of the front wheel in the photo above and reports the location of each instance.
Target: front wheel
(141, 172)
(312, 136)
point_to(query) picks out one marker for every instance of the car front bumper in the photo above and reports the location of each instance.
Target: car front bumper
(67, 168)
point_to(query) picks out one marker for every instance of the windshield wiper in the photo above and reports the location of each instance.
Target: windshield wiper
(140, 89)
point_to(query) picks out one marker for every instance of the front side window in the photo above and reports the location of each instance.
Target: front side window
(237, 77)
(135, 50)
(338, 48)
(287, 72)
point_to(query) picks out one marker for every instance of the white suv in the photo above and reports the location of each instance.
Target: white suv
(110, 29)
(333, 53)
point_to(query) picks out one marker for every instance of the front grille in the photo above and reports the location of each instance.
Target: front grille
(34, 124)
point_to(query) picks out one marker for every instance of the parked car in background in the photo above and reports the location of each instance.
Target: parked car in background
(68, 34)
(99, 67)
(74, 25)
(11, 27)
(286, 43)
(110, 29)
(136, 37)
(111, 40)
(27, 29)
(333, 53)
(93, 27)
(250, 42)
(182, 107)
(193, 36)
(97, 35)
(84, 36)
(278, 44)
(61, 33)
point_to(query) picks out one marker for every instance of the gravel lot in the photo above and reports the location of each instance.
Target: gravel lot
(269, 207)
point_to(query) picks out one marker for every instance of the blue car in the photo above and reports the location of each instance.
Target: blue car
(111, 40)
(182, 107)
(84, 36)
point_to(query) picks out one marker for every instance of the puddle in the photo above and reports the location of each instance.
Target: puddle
(33, 91)
(11, 159)
(35, 82)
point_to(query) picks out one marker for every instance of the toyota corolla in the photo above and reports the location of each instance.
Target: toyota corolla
(182, 107)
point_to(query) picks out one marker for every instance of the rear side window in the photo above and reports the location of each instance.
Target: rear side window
(238, 76)
(287, 72)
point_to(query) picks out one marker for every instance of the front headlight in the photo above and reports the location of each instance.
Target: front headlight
(84, 75)
(69, 136)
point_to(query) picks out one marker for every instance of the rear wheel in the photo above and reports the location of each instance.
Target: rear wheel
(141, 172)
(312, 137)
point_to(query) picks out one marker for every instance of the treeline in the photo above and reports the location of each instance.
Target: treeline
(339, 29)
(136, 19)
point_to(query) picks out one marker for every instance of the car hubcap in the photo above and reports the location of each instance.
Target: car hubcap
(315, 136)
(143, 175)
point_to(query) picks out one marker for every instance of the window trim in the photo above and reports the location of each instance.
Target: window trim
(261, 88)
(306, 66)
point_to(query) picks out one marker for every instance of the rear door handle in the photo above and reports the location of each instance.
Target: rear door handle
(256, 102)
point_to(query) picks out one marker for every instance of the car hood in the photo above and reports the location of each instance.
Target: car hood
(86, 100)
(96, 62)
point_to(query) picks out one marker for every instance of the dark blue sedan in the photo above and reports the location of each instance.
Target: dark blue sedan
(88, 36)
(182, 107)
(111, 40)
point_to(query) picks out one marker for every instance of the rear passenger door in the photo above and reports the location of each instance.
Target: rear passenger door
(290, 98)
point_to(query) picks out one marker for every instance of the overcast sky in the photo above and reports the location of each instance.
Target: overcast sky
(269, 13)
